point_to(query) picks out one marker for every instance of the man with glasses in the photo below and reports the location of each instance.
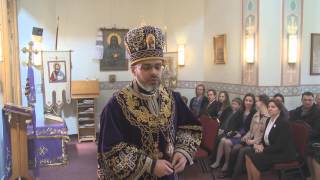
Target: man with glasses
(147, 131)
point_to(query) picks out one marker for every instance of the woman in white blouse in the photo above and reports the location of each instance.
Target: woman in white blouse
(277, 143)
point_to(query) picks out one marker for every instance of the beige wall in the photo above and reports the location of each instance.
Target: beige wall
(270, 42)
(311, 24)
(223, 17)
(81, 19)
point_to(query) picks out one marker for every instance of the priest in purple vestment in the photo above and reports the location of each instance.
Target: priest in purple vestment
(147, 131)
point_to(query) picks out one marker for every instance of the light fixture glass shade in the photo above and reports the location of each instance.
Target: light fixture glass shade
(181, 55)
(292, 48)
(249, 49)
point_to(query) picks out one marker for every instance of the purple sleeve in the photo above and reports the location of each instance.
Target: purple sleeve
(189, 130)
(118, 159)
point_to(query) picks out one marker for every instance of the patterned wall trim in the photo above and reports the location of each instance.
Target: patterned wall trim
(231, 88)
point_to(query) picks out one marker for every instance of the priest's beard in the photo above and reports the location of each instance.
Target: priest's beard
(148, 88)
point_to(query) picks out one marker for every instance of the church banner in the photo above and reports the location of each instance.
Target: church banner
(56, 76)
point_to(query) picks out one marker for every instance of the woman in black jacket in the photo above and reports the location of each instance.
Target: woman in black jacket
(225, 109)
(277, 143)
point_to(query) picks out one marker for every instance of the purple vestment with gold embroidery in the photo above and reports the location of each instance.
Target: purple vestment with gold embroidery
(132, 138)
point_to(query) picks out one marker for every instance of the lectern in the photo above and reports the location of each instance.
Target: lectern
(18, 117)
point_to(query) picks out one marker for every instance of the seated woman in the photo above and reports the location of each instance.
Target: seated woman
(253, 136)
(224, 110)
(277, 143)
(239, 127)
(235, 106)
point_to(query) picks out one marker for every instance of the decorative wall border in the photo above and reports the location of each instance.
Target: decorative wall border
(231, 88)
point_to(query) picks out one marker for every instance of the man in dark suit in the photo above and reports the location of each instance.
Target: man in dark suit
(309, 113)
(213, 105)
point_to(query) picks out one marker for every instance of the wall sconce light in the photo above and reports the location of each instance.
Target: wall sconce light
(292, 49)
(249, 49)
(181, 55)
(292, 42)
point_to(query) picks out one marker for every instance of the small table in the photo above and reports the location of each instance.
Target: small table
(48, 144)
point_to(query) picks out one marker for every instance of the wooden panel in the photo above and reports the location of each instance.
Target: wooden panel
(10, 66)
(85, 89)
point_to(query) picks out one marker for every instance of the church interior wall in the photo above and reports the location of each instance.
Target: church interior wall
(223, 17)
(311, 15)
(194, 25)
(78, 27)
(270, 31)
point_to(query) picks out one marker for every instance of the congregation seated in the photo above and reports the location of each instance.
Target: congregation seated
(252, 137)
(213, 105)
(277, 143)
(238, 128)
(199, 103)
(254, 140)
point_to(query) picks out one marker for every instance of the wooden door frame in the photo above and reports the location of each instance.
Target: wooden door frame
(10, 66)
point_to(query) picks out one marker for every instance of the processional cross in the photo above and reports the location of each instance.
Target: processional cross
(30, 91)
(30, 88)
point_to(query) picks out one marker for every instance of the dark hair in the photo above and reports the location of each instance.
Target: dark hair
(226, 103)
(307, 93)
(213, 91)
(279, 105)
(237, 100)
(244, 99)
(184, 99)
(279, 95)
(201, 85)
(264, 99)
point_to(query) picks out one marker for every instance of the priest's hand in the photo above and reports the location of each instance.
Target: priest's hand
(179, 161)
(162, 168)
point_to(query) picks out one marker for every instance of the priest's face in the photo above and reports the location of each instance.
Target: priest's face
(148, 73)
